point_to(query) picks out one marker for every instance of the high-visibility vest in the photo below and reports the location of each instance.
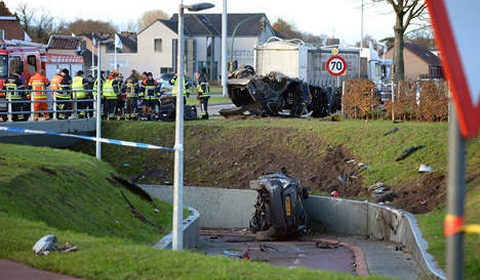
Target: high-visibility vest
(78, 88)
(108, 91)
(203, 87)
(55, 82)
(175, 87)
(38, 84)
(130, 88)
(12, 90)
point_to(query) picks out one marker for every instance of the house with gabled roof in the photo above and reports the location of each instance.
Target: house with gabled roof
(9, 25)
(157, 44)
(420, 62)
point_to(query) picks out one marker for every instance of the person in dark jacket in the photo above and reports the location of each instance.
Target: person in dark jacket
(149, 92)
(14, 89)
(64, 95)
(203, 93)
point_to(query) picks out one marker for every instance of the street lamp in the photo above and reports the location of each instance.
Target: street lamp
(262, 25)
(177, 234)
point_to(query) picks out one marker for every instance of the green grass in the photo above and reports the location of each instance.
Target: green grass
(49, 191)
(66, 193)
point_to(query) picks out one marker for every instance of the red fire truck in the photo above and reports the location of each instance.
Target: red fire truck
(29, 57)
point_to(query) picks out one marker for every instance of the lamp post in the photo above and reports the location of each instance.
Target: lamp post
(233, 36)
(177, 234)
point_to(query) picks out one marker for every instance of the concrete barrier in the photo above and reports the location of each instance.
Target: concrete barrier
(218, 208)
(233, 208)
(189, 229)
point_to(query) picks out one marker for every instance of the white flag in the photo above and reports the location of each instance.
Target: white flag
(118, 42)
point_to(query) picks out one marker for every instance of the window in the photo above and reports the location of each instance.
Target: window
(31, 63)
(157, 45)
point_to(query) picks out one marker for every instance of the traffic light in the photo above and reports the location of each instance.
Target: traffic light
(262, 24)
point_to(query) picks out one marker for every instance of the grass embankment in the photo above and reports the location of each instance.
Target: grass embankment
(49, 191)
(366, 140)
(46, 191)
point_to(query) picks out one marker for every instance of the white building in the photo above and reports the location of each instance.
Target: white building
(156, 45)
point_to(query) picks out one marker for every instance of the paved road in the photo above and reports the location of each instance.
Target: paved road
(325, 252)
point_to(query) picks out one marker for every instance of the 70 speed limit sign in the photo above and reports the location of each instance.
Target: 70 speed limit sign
(336, 65)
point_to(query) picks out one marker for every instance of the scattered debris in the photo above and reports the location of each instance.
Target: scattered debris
(422, 201)
(327, 245)
(425, 168)
(45, 244)
(394, 130)
(408, 152)
(266, 248)
(380, 193)
(49, 243)
(343, 179)
(237, 255)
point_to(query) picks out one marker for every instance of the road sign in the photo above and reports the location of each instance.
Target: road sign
(336, 65)
(453, 21)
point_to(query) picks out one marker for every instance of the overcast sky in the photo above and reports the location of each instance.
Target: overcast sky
(336, 18)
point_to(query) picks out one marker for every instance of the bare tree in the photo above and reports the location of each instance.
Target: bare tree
(422, 36)
(405, 11)
(151, 16)
(38, 24)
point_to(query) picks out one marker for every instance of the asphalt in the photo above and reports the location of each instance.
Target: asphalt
(353, 254)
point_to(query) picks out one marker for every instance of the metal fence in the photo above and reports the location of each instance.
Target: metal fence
(15, 109)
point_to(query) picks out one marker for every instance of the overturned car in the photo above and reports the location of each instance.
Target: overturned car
(276, 94)
(279, 208)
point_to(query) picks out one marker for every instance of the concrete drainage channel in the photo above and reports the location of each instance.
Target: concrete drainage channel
(388, 238)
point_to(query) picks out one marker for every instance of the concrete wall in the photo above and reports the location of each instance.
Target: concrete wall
(218, 208)
(232, 208)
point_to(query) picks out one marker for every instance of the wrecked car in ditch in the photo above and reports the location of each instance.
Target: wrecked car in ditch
(279, 208)
(278, 95)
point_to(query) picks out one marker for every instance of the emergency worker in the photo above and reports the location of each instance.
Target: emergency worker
(79, 94)
(174, 83)
(64, 95)
(130, 88)
(203, 93)
(38, 84)
(96, 85)
(109, 95)
(122, 96)
(14, 90)
(149, 92)
(89, 91)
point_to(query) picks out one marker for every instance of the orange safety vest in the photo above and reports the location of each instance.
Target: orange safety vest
(55, 82)
(38, 84)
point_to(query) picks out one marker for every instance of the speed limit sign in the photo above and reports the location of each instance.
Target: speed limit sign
(336, 65)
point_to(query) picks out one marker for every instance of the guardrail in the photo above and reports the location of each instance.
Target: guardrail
(12, 109)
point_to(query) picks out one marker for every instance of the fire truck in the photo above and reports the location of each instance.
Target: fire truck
(28, 57)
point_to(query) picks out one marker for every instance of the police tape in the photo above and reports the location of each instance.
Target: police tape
(103, 140)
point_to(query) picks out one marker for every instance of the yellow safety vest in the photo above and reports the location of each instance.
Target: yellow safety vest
(108, 91)
(175, 87)
(78, 88)
(12, 90)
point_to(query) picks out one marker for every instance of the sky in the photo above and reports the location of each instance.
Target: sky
(340, 19)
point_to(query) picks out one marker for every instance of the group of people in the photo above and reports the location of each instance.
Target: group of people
(119, 96)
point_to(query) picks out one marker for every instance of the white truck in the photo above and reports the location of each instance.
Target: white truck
(296, 59)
